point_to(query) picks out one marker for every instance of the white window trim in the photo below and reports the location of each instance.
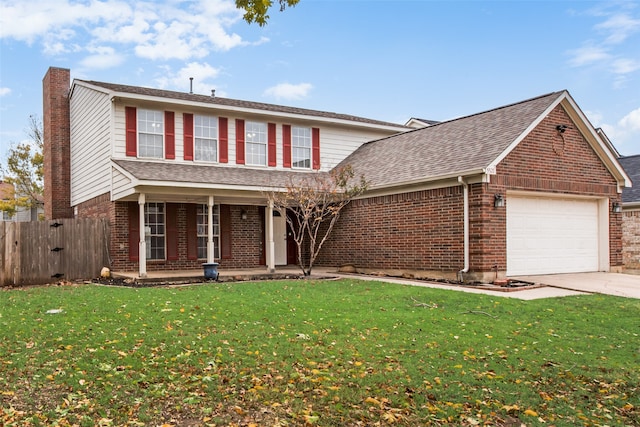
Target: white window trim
(215, 139)
(265, 143)
(294, 147)
(140, 132)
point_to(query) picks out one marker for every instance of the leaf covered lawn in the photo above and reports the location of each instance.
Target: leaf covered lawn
(325, 353)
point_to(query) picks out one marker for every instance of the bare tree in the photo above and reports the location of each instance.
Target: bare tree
(313, 203)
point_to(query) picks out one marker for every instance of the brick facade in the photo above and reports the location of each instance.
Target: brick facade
(423, 231)
(57, 166)
(631, 239)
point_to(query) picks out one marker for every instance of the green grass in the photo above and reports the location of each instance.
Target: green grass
(320, 353)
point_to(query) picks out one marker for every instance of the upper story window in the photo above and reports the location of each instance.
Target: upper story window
(301, 147)
(256, 143)
(206, 138)
(150, 134)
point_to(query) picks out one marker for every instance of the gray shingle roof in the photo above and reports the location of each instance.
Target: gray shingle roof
(631, 165)
(208, 174)
(446, 148)
(236, 103)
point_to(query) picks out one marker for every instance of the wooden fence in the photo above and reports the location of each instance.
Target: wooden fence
(41, 252)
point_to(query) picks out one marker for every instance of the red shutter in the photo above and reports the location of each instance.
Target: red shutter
(239, 141)
(225, 231)
(131, 130)
(172, 231)
(271, 143)
(187, 120)
(134, 231)
(223, 137)
(169, 135)
(286, 146)
(192, 231)
(315, 148)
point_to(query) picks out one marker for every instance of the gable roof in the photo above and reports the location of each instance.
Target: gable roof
(466, 146)
(231, 104)
(631, 165)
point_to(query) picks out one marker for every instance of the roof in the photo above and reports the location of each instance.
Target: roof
(631, 165)
(457, 147)
(232, 103)
(216, 176)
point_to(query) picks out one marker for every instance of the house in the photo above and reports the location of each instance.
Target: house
(21, 214)
(631, 215)
(180, 176)
(528, 188)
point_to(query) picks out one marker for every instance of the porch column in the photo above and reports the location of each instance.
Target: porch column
(271, 255)
(210, 246)
(142, 250)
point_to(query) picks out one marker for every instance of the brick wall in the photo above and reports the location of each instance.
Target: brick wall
(631, 239)
(420, 230)
(424, 230)
(246, 241)
(55, 120)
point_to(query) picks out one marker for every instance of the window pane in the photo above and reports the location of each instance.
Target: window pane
(202, 218)
(301, 147)
(150, 133)
(155, 230)
(256, 143)
(206, 138)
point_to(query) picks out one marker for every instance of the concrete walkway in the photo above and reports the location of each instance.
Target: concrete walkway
(618, 284)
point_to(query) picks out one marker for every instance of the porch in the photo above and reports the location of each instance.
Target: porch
(233, 275)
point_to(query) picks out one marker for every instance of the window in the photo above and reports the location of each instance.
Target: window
(150, 134)
(202, 231)
(6, 216)
(256, 143)
(206, 138)
(301, 147)
(154, 230)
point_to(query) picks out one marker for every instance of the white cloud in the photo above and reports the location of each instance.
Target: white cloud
(177, 29)
(202, 75)
(624, 66)
(587, 55)
(4, 91)
(619, 27)
(631, 121)
(289, 91)
(103, 57)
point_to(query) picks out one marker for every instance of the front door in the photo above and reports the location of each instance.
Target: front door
(280, 237)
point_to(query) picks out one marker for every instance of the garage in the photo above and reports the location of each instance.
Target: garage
(553, 235)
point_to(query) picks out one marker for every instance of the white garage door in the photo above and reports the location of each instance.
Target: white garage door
(546, 236)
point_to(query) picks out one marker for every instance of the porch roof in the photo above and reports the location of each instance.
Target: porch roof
(243, 178)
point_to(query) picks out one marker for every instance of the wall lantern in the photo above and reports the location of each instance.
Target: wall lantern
(498, 201)
(616, 207)
(243, 214)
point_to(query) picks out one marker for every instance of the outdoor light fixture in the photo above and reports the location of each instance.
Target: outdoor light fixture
(616, 207)
(561, 128)
(243, 214)
(498, 200)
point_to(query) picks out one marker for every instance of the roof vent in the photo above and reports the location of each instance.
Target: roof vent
(190, 84)
(213, 93)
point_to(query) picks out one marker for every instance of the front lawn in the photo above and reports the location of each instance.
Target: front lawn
(325, 353)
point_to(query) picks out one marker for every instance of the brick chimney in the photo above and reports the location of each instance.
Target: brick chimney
(56, 151)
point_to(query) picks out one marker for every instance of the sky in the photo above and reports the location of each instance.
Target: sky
(382, 59)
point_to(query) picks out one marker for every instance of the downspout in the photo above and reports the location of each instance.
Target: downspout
(465, 192)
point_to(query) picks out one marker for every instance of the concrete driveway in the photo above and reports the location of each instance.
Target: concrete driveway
(621, 285)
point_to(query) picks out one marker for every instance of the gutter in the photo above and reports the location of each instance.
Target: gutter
(465, 191)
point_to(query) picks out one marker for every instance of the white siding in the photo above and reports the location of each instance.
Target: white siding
(336, 142)
(121, 185)
(90, 144)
